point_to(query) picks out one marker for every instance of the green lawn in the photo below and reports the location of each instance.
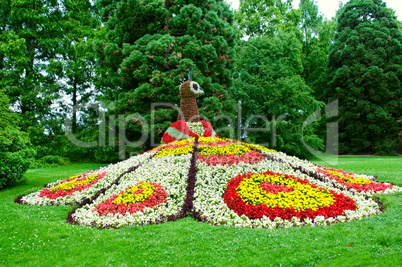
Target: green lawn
(32, 235)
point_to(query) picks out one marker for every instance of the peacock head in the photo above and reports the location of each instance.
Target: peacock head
(190, 89)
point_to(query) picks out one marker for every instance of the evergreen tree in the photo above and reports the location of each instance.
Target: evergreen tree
(365, 69)
(399, 24)
(150, 47)
(269, 87)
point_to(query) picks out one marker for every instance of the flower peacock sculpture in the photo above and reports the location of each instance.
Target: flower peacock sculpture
(215, 180)
(188, 123)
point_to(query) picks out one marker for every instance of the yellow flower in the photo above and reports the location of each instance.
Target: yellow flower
(128, 197)
(303, 197)
(349, 178)
(73, 183)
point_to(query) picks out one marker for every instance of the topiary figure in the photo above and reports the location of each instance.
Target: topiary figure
(189, 91)
(188, 123)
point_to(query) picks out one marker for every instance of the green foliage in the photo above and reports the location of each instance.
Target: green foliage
(365, 71)
(30, 41)
(47, 68)
(268, 83)
(15, 155)
(317, 34)
(260, 17)
(76, 63)
(150, 46)
(399, 24)
(54, 160)
(29, 35)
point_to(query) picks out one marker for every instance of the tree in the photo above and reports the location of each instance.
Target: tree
(317, 35)
(399, 24)
(149, 49)
(273, 95)
(29, 34)
(309, 26)
(75, 65)
(365, 71)
(30, 37)
(319, 57)
(260, 17)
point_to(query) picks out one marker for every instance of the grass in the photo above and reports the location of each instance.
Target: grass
(32, 235)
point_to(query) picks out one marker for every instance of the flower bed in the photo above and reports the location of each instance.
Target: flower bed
(214, 151)
(215, 180)
(168, 173)
(71, 185)
(76, 189)
(352, 181)
(278, 195)
(248, 157)
(141, 196)
(244, 210)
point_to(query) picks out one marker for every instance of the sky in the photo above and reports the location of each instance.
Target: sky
(329, 7)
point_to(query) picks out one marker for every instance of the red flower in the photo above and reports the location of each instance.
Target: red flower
(251, 157)
(234, 201)
(158, 196)
(207, 128)
(186, 132)
(62, 193)
(372, 186)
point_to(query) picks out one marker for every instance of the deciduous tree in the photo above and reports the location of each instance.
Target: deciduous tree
(29, 35)
(270, 89)
(261, 17)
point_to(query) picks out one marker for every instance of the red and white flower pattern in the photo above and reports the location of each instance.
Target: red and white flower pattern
(182, 130)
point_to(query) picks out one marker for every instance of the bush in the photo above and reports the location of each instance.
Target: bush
(13, 165)
(15, 154)
(49, 161)
(54, 160)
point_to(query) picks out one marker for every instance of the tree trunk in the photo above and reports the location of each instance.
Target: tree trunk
(74, 122)
(29, 72)
(307, 70)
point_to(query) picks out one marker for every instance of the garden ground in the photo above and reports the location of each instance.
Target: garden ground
(33, 235)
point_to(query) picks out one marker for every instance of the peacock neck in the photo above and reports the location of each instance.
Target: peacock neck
(189, 110)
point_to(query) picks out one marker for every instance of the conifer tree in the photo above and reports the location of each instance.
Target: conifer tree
(149, 49)
(365, 72)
